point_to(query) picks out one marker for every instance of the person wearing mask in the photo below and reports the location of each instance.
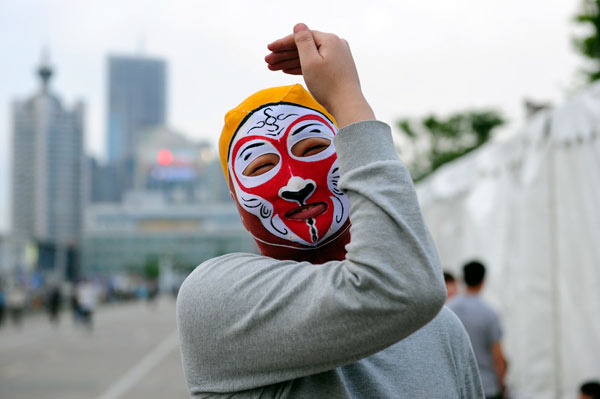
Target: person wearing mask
(345, 300)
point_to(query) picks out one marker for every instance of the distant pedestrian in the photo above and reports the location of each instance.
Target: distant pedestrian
(86, 300)
(483, 326)
(589, 390)
(54, 303)
(2, 303)
(451, 288)
(74, 304)
(16, 303)
(152, 293)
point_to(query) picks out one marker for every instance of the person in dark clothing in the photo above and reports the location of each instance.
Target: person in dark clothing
(75, 309)
(54, 303)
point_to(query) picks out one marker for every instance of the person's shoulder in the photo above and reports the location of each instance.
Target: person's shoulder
(453, 301)
(215, 268)
(447, 324)
(225, 274)
(455, 331)
(457, 302)
(227, 260)
(231, 257)
(447, 329)
(450, 321)
(209, 283)
(465, 363)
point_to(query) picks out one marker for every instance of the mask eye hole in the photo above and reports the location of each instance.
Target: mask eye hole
(310, 146)
(261, 165)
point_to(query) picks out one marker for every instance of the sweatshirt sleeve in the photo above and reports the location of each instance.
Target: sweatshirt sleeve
(247, 321)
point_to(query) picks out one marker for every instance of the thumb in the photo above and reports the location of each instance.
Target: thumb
(305, 42)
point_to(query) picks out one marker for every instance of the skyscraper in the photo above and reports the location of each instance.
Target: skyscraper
(136, 100)
(47, 173)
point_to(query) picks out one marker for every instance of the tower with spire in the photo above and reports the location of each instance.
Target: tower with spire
(45, 71)
(47, 174)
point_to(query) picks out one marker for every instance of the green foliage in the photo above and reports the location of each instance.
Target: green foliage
(434, 141)
(152, 268)
(589, 44)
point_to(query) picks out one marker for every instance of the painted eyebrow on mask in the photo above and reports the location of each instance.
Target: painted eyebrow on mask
(249, 147)
(304, 127)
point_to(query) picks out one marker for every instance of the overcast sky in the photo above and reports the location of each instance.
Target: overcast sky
(414, 57)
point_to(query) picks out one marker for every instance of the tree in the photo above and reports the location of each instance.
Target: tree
(589, 44)
(152, 267)
(433, 141)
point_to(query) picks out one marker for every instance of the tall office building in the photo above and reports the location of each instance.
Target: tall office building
(47, 174)
(136, 100)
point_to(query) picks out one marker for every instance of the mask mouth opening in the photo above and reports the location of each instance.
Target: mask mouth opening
(305, 212)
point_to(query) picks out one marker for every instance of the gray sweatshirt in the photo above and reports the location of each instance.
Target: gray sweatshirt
(255, 327)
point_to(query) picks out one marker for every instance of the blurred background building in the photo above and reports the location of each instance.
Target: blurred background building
(131, 237)
(9, 254)
(174, 212)
(156, 207)
(47, 176)
(160, 199)
(182, 170)
(137, 99)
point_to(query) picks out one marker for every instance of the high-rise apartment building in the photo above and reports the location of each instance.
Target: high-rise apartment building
(47, 173)
(136, 100)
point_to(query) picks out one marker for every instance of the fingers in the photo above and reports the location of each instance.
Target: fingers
(305, 42)
(275, 58)
(293, 71)
(287, 43)
(283, 44)
(287, 64)
(286, 52)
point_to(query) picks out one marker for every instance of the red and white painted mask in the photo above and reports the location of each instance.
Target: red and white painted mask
(283, 173)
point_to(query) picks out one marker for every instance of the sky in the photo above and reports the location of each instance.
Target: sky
(414, 57)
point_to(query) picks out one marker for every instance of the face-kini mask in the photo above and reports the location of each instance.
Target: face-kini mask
(278, 156)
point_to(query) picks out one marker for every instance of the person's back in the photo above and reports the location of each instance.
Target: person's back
(484, 329)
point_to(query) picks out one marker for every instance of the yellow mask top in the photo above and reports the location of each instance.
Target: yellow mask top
(295, 94)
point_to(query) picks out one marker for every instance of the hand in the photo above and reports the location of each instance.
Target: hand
(326, 63)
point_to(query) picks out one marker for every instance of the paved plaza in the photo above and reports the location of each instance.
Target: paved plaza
(132, 352)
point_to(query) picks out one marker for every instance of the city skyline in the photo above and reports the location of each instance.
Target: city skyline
(449, 57)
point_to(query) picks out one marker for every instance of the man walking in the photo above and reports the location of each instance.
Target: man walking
(483, 326)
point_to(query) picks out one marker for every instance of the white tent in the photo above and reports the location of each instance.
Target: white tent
(529, 208)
